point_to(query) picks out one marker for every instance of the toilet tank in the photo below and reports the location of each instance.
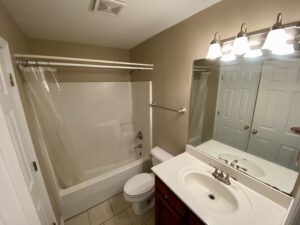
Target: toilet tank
(159, 155)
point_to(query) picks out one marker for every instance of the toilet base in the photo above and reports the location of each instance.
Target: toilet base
(140, 208)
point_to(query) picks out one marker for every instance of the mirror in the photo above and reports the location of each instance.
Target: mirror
(246, 113)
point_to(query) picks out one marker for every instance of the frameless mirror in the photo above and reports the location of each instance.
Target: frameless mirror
(246, 113)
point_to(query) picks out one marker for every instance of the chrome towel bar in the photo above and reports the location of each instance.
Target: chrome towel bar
(181, 110)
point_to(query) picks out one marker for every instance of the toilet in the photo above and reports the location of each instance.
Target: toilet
(139, 190)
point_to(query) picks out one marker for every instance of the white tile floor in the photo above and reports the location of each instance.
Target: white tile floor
(115, 211)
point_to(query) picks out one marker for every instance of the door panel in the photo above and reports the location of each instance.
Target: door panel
(18, 150)
(277, 110)
(236, 102)
(26, 168)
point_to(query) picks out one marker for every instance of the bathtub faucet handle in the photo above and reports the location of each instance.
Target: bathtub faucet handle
(140, 135)
(138, 146)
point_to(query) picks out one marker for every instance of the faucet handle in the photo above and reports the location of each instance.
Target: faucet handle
(225, 160)
(226, 179)
(242, 169)
(140, 135)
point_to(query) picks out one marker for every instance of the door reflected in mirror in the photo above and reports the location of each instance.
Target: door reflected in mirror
(246, 113)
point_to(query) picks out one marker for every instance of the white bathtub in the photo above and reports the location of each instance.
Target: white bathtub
(87, 194)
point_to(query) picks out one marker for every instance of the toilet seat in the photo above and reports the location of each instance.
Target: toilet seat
(140, 185)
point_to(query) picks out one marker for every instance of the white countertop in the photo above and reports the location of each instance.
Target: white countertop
(263, 210)
(275, 175)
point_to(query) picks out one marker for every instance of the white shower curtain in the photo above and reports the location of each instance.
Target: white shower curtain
(42, 88)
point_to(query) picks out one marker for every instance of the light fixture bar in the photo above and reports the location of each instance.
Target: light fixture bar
(295, 25)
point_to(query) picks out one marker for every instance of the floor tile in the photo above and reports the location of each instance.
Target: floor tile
(100, 213)
(139, 220)
(118, 203)
(81, 219)
(120, 219)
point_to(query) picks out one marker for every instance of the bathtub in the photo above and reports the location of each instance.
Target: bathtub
(82, 196)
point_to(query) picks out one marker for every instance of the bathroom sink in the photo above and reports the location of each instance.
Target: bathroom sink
(252, 168)
(217, 197)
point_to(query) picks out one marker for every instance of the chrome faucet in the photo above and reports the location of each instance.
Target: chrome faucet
(138, 146)
(221, 176)
(238, 167)
(234, 162)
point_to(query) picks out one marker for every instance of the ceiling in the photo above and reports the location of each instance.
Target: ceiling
(73, 21)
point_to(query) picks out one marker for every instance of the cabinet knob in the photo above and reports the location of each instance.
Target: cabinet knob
(166, 196)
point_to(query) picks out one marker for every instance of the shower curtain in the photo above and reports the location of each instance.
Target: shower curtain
(197, 110)
(41, 88)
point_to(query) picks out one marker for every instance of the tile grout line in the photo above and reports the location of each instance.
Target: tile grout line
(128, 216)
(111, 208)
(89, 217)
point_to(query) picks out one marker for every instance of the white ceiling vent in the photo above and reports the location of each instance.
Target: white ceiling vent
(109, 7)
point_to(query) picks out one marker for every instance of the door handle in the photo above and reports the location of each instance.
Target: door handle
(254, 131)
(246, 127)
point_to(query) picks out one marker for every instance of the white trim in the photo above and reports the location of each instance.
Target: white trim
(45, 57)
(39, 63)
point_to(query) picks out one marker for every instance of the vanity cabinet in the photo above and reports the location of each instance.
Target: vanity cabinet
(170, 210)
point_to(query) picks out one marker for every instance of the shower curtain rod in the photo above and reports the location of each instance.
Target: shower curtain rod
(43, 60)
(42, 63)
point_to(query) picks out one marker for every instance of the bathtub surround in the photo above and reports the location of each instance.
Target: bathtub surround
(78, 123)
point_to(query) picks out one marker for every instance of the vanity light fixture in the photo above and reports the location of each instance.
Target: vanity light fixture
(276, 40)
(214, 50)
(241, 44)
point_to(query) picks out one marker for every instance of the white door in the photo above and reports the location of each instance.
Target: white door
(21, 181)
(236, 101)
(277, 110)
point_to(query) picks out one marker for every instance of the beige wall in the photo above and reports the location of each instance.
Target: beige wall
(59, 48)
(174, 50)
(11, 32)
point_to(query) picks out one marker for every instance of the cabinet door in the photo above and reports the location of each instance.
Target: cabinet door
(194, 220)
(164, 214)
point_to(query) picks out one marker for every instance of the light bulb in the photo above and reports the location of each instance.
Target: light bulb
(276, 40)
(284, 50)
(214, 51)
(240, 46)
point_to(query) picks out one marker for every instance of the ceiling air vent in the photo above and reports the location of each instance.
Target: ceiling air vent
(109, 7)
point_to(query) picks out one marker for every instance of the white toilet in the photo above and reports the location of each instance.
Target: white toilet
(139, 190)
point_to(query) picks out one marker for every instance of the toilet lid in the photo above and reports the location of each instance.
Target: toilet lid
(139, 184)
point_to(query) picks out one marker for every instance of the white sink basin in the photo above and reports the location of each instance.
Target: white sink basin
(252, 168)
(215, 196)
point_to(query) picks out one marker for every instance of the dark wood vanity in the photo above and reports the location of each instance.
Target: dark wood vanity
(170, 210)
